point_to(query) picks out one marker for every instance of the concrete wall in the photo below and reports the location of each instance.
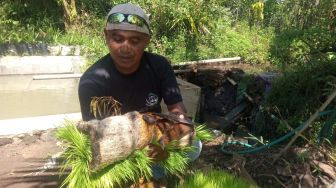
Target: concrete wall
(24, 49)
(191, 95)
(18, 65)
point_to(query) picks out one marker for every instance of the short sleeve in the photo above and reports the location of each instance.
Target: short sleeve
(169, 88)
(86, 90)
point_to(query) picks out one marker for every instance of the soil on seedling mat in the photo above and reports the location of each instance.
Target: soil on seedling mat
(24, 158)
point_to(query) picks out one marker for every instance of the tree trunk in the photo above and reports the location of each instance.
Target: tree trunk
(70, 13)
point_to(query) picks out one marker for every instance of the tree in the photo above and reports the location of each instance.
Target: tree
(70, 13)
(258, 12)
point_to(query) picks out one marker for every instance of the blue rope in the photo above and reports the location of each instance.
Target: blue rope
(257, 149)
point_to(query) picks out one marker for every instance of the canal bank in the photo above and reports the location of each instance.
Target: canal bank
(28, 105)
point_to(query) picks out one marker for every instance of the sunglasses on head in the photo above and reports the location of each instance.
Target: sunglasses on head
(117, 18)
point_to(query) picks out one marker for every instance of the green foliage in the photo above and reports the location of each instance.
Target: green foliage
(300, 47)
(203, 134)
(303, 156)
(187, 30)
(299, 14)
(94, 8)
(214, 179)
(182, 30)
(91, 41)
(297, 94)
(42, 23)
(240, 9)
(305, 33)
(250, 43)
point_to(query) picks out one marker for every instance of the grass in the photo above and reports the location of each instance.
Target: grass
(214, 179)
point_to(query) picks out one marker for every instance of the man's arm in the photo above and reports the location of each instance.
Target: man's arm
(86, 91)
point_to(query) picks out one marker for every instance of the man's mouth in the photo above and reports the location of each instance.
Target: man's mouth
(126, 57)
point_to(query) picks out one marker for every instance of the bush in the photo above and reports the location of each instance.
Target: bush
(250, 43)
(294, 46)
(42, 23)
(297, 94)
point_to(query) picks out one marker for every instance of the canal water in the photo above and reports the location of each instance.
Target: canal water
(21, 96)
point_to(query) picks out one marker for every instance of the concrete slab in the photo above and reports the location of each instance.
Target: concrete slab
(191, 95)
(30, 124)
(18, 65)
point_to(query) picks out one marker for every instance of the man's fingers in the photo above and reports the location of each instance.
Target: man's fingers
(149, 119)
(181, 116)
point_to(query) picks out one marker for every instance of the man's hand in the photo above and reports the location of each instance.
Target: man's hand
(175, 126)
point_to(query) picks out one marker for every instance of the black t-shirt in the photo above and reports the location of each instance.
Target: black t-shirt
(143, 90)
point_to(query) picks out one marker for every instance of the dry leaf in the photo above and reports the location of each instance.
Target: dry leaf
(325, 168)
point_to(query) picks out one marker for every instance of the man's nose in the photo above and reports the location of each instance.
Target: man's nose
(125, 47)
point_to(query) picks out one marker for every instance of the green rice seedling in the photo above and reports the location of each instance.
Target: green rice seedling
(214, 179)
(203, 134)
(77, 156)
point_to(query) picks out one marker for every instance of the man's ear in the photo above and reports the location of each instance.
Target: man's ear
(105, 33)
(148, 40)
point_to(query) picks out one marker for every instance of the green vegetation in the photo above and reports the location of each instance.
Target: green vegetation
(182, 30)
(280, 32)
(295, 96)
(202, 133)
(214, 179)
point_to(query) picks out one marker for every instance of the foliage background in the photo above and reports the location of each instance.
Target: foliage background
(278, 32)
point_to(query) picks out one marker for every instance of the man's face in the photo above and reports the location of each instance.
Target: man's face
(126, 48)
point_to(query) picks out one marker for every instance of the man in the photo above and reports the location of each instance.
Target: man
(135, 78)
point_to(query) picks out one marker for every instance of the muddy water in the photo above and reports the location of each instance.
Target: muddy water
(21, 96)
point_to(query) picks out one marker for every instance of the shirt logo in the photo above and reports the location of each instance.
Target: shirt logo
(152, 100)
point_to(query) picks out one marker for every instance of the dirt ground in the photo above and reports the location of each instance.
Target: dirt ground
(299, 167)
(22, 160)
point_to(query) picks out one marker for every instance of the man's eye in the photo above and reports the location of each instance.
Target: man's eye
(135, 40)
(117, 39)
